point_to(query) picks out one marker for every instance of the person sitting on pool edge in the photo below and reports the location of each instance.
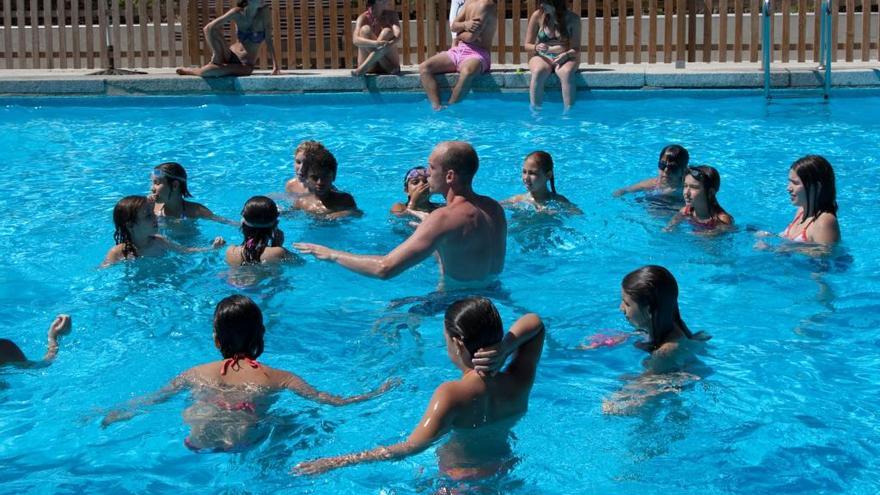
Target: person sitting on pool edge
(415, 185)
(701, 206)
(232, 395)
(481, 407)
(297, 185)
(537, 172)
(137, 233)
(253, 22)
(169, 190)
(376, 33)
(469, 56)
(324, 200)
(670, 175)
(469, 234)
(12, 354)
(649, 301)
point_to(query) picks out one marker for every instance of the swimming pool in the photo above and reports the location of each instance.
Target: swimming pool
(788, 397)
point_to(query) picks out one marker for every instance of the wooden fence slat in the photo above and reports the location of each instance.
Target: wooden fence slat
(606, 31)
(668, 16)
(502, 31)
(157, 33)
(817, 29)
(420, 28)
(652, 31)
(866, 30)
(129, 33)
(707, 30)
(50, 46)
(277, 46)
(722, 30)
(320, 55)
(116, 33)
(74, 25)
(691, 8)
(170, 23)
(835, 13)
(681, 31)
(304, 35)
(203, 16)
(35, 39)
(621, 31)
(290, 50)
(7, 34)
(591, 32)
(737, 30)
(103, 32)
(516, 31)
(850, 28)
(145, 43)
(802, 31)
(786, 29)
(754, 18)
(62, 35)
(576, 7)
(187, 32)
(22, 53)
(405, 32)
(334, 34)
(637, 31)
(431, 28)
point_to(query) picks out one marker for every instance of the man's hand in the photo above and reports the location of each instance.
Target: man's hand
(316, 250)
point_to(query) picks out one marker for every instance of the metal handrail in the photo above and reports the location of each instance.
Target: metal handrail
(825, 45)
(767, 45)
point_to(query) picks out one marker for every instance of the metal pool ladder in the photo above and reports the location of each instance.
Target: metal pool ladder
(825, 46)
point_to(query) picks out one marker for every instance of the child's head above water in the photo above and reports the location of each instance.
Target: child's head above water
(169, 178)
(537, 170)
(816, 176)
(414, 177)
(654, 292)
(305, 149)
(133, 217)
(238, 327)
(259, 224)
(474, 322)
(673, 161)
(708, 182)
(319, 171)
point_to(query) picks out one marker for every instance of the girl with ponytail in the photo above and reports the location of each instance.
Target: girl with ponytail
(263, 240)
(537, 173)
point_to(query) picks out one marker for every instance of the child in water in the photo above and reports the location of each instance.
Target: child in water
(324, 200)
(669, 182)
(12, 354)
(297, 185)
(233, 394)
(415, 185)
(137, 233)
(701, 205)
(263, 240)
(537, 173)
(168, 190)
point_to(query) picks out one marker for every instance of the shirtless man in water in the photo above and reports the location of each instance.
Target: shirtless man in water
(475, 28)
(469, 233)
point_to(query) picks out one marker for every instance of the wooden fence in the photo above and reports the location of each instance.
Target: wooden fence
(313, 34)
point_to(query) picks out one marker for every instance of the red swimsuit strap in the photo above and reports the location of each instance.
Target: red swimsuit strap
(233, 362)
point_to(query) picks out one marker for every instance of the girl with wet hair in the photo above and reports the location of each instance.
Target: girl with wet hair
(11, 354)
(168, 191)
(701, 205)
(137, 233)
(478, 409)
(415, 185)
(537, 173)
(812, 189)
(263, 240)
(233, 395)
(669, 182)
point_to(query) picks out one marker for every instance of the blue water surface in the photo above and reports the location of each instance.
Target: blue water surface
(785, 400)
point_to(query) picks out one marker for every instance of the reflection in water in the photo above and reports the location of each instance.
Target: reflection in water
(543, 231)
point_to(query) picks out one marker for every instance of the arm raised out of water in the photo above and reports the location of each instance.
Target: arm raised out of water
(11, 353)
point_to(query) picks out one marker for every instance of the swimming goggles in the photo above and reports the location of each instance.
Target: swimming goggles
(160, 174)
(696, 174)
(256, 225)
(667, 164)
(416, 172)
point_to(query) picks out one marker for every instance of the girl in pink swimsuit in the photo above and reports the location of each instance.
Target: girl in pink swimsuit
(811, 187)
(232, 394)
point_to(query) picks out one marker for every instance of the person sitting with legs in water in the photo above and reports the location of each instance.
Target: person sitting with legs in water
(137, 233)
(470, 56)
(418, 204)
(376, 33)
(701, 206)
(263, 240)
(324, 200)
(232, 395)
(553, 36)
(253, 22)
(670, 175)
(168, 191)
(297, 185)
(649, 301)
(469, 233)
(537, 172)
(481, 407)
(13, 355)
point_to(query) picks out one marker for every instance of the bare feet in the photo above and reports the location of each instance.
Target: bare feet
(184, 72)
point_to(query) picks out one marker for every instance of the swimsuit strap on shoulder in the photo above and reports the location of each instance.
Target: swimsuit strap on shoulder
(233, 363)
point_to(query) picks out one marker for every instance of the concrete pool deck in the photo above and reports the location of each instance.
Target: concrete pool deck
(76, 82)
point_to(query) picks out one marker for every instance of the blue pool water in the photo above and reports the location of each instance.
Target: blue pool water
(787, 401)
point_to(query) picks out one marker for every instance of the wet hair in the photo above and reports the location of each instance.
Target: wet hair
(320, 159)
(124, 213)
(561, 8)
(710, 179)
(462, 158)
(545, 161)
(238, 327)
(475, 321)
(10, 353)
(260, 228)
(654, 287)
(676, 153)
(816, 174)
(173, 171)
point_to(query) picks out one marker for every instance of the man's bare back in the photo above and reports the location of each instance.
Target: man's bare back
(476, 240)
